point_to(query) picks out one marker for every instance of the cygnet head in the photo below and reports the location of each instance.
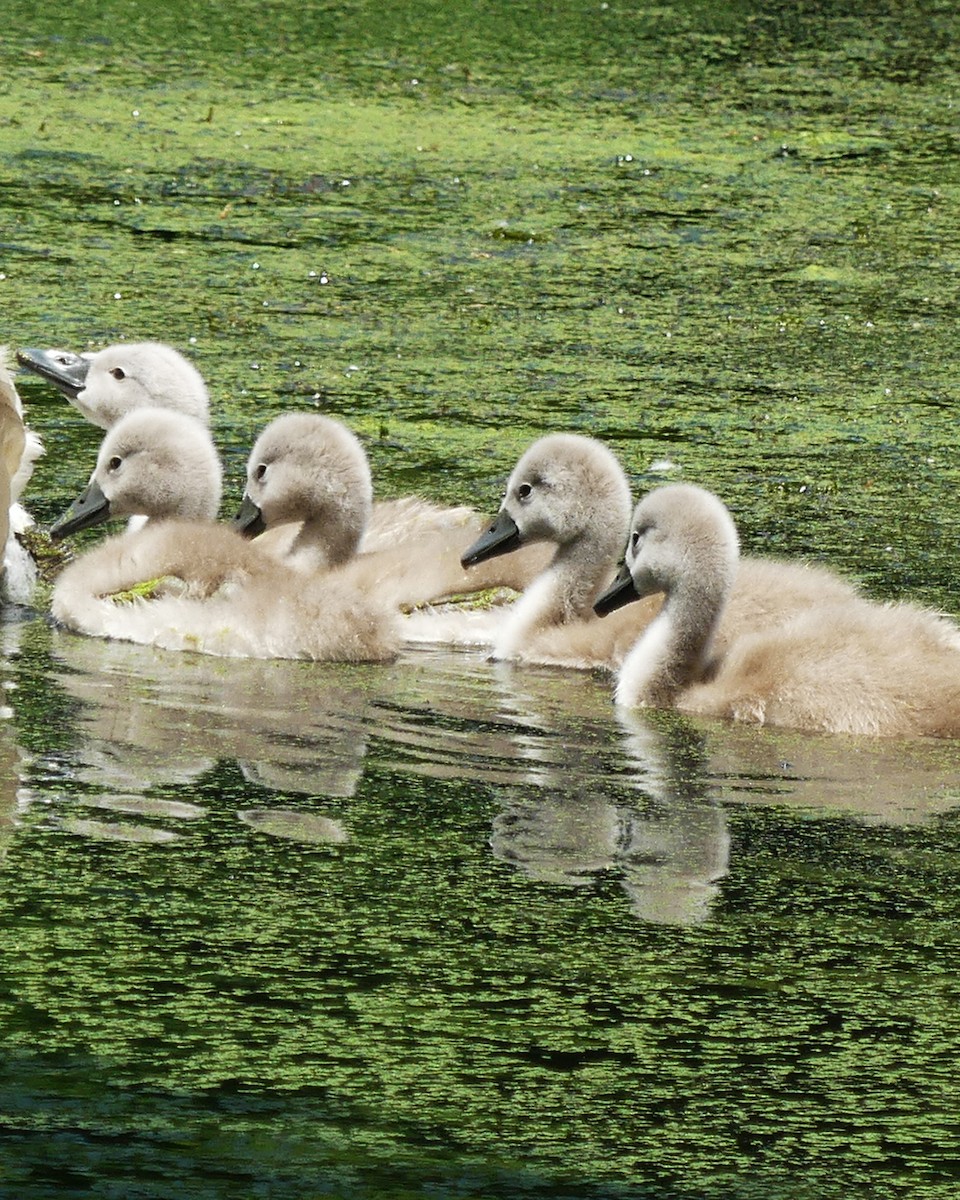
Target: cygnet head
(565, 489)
(309, 468)
(108, 384)
(681, 537)
(154, 463)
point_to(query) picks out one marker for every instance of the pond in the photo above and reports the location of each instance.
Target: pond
(443, 927)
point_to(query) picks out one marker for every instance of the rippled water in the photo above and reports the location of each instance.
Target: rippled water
(450, 926)
(445, 928)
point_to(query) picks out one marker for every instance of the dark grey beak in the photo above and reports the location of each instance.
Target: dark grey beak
(502, 537)
(89, 509)
(249, 520)
(64, 369)
(622, 591)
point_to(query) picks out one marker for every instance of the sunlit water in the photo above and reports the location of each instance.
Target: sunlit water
(445, 925)
(445, 928)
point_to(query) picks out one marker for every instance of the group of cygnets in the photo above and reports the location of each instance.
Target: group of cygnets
(313, 568)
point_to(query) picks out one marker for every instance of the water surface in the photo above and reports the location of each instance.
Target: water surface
(443, 928)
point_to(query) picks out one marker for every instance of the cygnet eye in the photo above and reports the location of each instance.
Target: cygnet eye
(115, 463)
(259, 472)
(524, 491)
(118, 373)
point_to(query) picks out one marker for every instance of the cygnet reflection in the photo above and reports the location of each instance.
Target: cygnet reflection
(586, 808)
(124, 829)
(11, 766)
(438, 715)
(149, 718)
(294, 825)
(680, 848)
(15, 796)
(892, 781)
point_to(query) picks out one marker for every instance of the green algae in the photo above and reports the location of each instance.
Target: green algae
(719, 235)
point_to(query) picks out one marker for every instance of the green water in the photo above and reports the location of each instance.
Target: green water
(437, 930)
(726, 237)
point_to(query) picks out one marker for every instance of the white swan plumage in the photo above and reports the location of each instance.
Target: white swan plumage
(20, 448)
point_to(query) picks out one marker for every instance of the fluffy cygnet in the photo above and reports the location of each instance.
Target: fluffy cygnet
(109, 383)
(568, 493)
(852, 666)
(309, 496)
(571, 492)
(152, 462)
(207, 588)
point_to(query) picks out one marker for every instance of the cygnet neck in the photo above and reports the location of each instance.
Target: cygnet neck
(325, 541)
(676, 648)
(566, 589)
(684, 544)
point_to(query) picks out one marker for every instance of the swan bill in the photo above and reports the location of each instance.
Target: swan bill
(64, 369)
(249, 520)
(622, 591)
(91, 508)
(502, 537)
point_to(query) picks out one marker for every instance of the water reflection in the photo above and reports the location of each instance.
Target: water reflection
(582, 793)
(572, 805)
(150, 718)
(640, 809)
(11, 766)
(878, 780)
(681, 849)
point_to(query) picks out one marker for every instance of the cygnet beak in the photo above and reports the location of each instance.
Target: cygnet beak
(622, 591)
(64, 369)
(502, 537)
(249, 520)
(89, 509)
